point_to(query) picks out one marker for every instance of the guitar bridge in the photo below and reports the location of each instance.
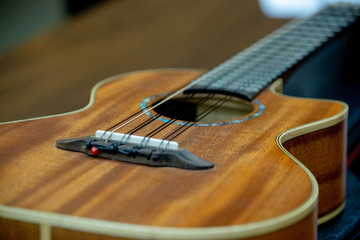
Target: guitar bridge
(135, 149)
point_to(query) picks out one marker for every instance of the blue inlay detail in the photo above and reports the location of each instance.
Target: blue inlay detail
(261, 109)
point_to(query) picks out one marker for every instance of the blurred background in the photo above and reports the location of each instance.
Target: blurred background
(21, 20)
(53, 52)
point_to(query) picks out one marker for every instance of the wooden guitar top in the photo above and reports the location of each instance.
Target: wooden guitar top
(255, 187)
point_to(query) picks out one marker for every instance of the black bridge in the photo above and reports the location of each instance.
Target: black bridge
(134, 153)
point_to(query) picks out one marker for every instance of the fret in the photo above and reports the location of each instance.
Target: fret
(246, 74)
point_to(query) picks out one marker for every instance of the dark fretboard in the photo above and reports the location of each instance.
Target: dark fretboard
(246, 74)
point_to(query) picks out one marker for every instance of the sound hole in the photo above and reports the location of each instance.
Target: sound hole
(196, 109)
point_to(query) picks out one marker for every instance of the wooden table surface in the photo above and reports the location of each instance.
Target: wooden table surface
(54, 72)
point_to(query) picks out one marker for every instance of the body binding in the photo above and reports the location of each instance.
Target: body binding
(262, 185)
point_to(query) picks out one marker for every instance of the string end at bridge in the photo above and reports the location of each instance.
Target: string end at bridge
(117, 148)
(137, 140)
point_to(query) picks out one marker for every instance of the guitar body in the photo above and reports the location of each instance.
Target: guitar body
(262, 185)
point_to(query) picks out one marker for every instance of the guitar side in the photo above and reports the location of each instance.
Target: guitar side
(322, 147)
(75, 195)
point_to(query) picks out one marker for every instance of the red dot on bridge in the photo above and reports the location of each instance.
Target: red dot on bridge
(94, 151)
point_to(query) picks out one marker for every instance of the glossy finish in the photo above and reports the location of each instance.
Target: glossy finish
(255, 188)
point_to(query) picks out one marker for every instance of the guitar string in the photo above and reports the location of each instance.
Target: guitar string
(243, 57)
(151, 119)
(179, 116)
(174, 94)
(216, 71)
(239, 56)
(205, 113)
(122, 121)
(198, 117)
(285, 54)
(163, 126)
(311, 34)
(128, 134)
(168, 110)
(148, 121)
(166, 124)
(177, 93)
(189, 124)
(108, 129)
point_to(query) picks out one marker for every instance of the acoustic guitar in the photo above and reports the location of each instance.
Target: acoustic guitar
(186, 154)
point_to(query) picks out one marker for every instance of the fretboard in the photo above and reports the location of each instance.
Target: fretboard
(246, 74)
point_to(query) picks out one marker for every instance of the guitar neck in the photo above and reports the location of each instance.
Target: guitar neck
(246, 74)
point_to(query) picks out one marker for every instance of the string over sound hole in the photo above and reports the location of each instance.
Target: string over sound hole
(204, 108)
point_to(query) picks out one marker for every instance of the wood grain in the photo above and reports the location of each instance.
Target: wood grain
(10, 229)
(323, 152)
(253, 179)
